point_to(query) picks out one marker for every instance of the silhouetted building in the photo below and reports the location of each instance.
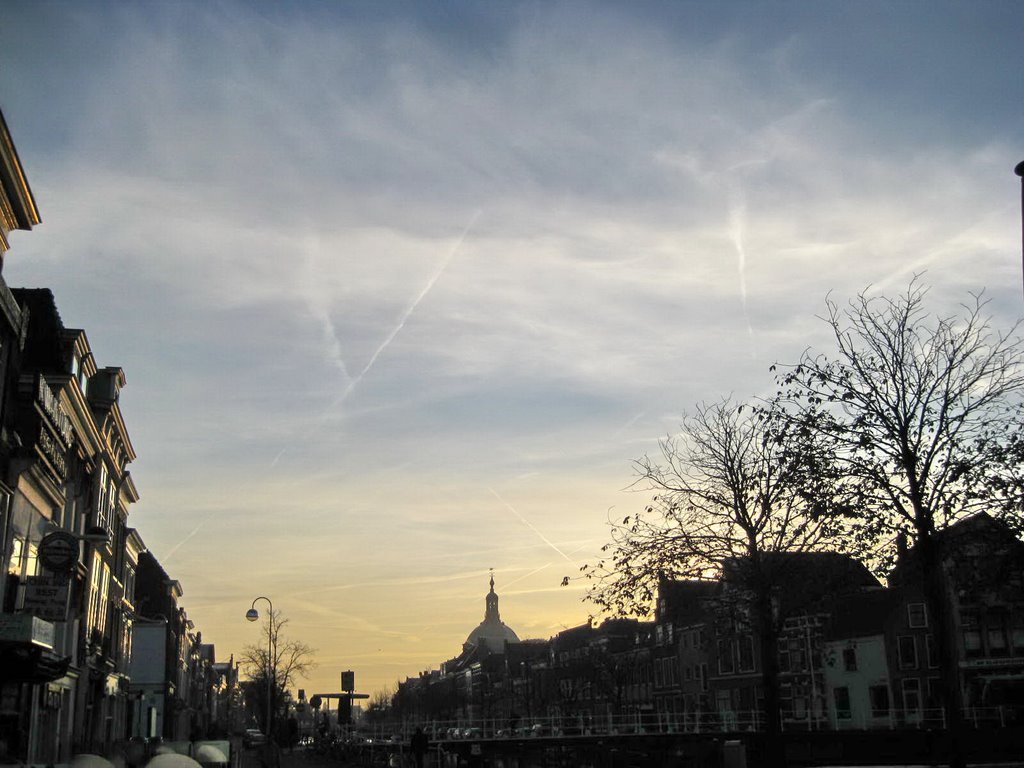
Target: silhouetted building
(492, 634)
(984, 565)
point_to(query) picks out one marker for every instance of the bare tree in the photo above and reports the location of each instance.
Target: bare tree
(276, 660)
(734, 490)
(920, 413)
(380, 707)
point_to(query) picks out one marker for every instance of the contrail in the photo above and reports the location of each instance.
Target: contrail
(530, 525)
(319, 306)
(353, 382)
(737, 215)
(506, 585)
(178, 546)
(409, 310)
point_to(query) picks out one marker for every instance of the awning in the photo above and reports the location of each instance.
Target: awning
(25, 663)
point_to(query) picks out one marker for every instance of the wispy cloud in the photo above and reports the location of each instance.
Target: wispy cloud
(287, 206)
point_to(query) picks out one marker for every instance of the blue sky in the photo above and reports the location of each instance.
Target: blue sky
(401, 289)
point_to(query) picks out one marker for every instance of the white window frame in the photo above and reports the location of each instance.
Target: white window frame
(903, 662)
(911, 686)
(917, 615)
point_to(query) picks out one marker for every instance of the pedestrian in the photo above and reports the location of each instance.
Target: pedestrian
(293, 733)
(419, 745)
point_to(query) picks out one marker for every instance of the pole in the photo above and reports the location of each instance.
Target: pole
(252, 615)
(1019, 170)
(270, 671)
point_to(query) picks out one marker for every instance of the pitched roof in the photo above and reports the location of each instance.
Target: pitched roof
(863, 613)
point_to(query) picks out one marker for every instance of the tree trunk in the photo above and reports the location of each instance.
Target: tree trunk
(937, 597)
(775, 751)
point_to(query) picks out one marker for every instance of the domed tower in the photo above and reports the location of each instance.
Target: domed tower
(492, 633)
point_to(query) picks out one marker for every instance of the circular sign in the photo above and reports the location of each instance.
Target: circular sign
(58, 552)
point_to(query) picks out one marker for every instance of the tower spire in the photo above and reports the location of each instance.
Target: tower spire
(491, 601)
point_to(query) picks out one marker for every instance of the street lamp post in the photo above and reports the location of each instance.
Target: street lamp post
(253, 615)
(1019, 170)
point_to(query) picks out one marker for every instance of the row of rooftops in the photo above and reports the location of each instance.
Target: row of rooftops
(832, 582)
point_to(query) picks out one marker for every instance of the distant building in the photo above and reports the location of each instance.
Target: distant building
(492, 634)
(851, 654)
(166, 689)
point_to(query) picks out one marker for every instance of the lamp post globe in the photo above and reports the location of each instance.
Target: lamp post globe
(252, 614)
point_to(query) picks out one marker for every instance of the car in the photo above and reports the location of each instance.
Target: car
(253, 738)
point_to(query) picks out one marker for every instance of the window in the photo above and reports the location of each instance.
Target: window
(703, 677)
(907, 646)
(103, 494)
(931, 652)
(879, 696)
(971, 634)
(917, 615)
(841, 697)
(995, 625)
(104, 604)
(99, 593)
(850, 659)
(784, 660)
(14, 564)
(1017, 632)
(799, 706)
(911, 696)
(724, 701)
(725, 663)
(95, 574)
(746, 653)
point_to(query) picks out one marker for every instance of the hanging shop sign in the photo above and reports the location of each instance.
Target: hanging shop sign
(46, 598)
(26, 628)
(58, 552)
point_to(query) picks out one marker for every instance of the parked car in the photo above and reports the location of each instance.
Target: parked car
(253, 738)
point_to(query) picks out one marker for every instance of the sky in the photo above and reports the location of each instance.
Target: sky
(401, 290)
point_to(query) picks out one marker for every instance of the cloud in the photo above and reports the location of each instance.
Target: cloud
(255, 211)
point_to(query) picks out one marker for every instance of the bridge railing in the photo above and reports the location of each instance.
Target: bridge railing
(651, 723)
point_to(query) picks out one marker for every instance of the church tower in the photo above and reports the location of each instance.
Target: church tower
(492, 633)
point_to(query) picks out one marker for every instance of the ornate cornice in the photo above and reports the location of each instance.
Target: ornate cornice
(17, 206)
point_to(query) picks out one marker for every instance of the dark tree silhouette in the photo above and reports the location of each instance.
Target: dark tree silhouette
(734, 490)
(920, 414)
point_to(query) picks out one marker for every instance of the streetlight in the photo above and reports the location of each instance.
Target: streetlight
(1019, 170)
(253, 615)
